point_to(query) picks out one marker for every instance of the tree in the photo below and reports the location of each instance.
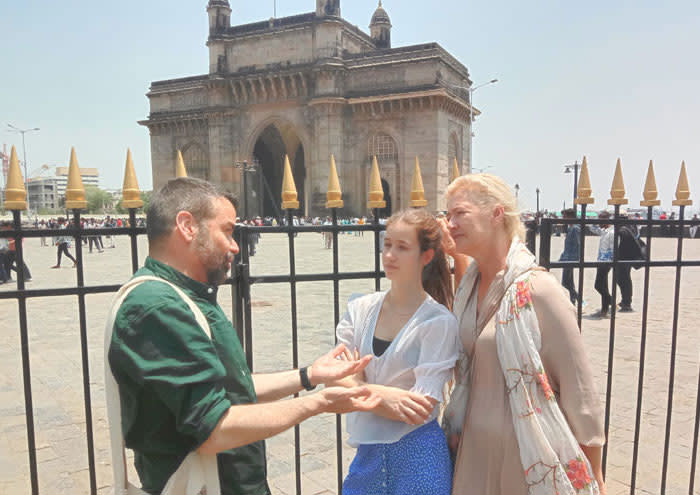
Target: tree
(145, 197)
(97, 199)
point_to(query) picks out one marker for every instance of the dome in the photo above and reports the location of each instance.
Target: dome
(380, 16)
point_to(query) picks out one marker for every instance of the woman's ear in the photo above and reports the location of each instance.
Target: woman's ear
(186, 226)
(499, 214)
(427, 256)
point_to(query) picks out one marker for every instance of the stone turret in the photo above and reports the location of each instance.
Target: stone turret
(326, 8)
(380, 27)
(219, 16)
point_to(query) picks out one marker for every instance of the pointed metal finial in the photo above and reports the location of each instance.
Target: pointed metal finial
(650, 192)
(131, 196)
(75, 191)
(584, 191)
(417, 190)
(289, 189)
(334, 196)
(682, 189)
(180, 170)
(455, 171)
(15, 193)
(376, 193)
(617, 191)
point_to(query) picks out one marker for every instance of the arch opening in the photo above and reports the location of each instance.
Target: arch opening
(274, 142)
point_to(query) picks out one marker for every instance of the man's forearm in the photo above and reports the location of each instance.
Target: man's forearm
(245, 424)
(275, 386)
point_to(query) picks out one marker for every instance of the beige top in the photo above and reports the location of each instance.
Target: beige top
(488, 461)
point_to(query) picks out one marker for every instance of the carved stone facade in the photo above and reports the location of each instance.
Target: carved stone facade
(309, 86)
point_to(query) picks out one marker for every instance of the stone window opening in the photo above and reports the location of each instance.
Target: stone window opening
(196, 161)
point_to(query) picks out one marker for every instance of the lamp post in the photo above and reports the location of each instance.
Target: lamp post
(246, 167)
(537, 191)
(517, 191)
(481, 170)
(567, 170)
(24, 153)
(471, 90)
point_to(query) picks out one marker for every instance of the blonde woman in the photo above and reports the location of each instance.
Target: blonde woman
(524, 416)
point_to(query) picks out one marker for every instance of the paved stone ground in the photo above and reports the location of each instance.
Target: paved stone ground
(58, 393)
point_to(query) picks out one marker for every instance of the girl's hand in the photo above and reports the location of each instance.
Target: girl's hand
(402, 405)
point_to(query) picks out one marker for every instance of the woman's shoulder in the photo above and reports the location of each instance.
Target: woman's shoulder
(546, 290)
(364, 302)
(434, 311)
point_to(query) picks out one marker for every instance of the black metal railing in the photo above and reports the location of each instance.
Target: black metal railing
(242, 281)
(677, 229)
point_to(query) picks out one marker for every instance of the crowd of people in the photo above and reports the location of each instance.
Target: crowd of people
(63, 243)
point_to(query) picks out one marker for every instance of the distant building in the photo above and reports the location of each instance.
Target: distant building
(308, 86)
(47, 192)
(41, 193)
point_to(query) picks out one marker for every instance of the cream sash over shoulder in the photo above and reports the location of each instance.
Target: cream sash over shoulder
(198, 474)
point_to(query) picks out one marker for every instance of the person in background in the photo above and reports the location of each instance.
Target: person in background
(63, 244)
(572, 246)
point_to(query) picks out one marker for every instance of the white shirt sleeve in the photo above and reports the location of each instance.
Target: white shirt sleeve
(345, 331)
(438, 353)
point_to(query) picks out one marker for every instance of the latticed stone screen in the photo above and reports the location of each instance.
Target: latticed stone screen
(196, 161)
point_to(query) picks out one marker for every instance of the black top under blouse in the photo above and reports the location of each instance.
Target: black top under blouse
(379, 346)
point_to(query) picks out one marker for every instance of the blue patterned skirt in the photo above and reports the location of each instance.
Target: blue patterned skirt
(418, 464)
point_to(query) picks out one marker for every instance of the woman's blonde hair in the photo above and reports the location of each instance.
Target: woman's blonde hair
(488, 191)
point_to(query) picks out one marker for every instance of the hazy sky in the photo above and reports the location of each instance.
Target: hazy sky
(603, 78)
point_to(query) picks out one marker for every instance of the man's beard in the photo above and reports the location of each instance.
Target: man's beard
(216, 264)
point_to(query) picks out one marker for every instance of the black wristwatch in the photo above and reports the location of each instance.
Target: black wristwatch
(303, 374)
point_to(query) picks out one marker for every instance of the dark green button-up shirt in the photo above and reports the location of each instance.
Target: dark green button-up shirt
(175, 383)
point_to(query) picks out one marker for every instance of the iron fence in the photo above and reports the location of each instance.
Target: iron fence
(617, 221)
(242, 281)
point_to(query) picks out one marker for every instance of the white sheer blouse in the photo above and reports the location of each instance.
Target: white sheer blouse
(420, 359)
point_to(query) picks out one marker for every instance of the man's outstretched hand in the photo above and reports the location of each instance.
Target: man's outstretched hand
(331, 367)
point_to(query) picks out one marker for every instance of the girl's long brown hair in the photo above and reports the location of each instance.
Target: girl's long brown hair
(437, 278)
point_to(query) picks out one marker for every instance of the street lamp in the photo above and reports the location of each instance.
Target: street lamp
(537, 191)
(471, 90)
(517, 191)
(481, 170)
(245, 168)
(567, 170)
(24, 152)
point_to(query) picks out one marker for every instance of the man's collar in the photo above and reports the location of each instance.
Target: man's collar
(170, 274)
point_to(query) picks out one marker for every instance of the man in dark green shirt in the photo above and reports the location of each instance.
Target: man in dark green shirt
(181, 391)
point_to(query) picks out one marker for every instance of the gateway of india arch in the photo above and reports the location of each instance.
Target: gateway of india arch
(308, 86)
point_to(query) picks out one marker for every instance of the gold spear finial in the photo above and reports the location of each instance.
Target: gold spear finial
(180, 170)
(376, 193)
(15, 193)
(455, 171)
(334, 196)
(417, 190)
(75, 191)
(289, 189)
(682, 189)
(584, 191)
(650, 192)
(131, 196)
(617, 191)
